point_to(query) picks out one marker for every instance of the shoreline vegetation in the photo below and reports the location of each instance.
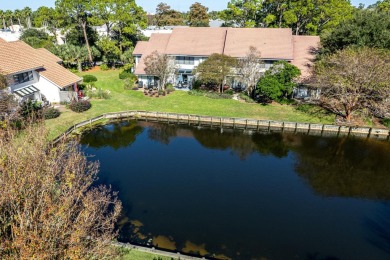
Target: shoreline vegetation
(177, 102)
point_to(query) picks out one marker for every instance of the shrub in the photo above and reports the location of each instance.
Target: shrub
(31, 110)
(128, 84)
(89, 78)
(50, 113)
(229, 92)
(104, 67)
(386, 122)
(246, 98)
(169, 87)
(80, 106)
(125, 75)
(92, 92)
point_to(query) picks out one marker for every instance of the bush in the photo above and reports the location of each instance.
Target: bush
(80, 106)
(246, 98)
(50, 113)
(128, 84)
(169, 87)
(92, 92)
(128, 75)
(89, 78)
(31, 110)
(104, 67)
(196, 93)
(386, 122)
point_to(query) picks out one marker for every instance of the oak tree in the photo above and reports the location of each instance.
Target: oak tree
(165, 16)
(355, 79)
(161, 66)
(198, 16)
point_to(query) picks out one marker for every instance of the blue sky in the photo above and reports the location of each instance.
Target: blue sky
(148, 5)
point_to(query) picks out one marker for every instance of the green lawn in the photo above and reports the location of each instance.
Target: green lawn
(138, 255)
(177, 102)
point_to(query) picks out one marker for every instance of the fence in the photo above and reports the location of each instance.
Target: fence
(237, 123)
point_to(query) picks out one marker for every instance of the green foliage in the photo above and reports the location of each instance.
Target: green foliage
(31, 110)
(36, 38)
(110, 50)
(246, 98)
(80, 106)
(386, 122)
(127, 74)
(169, 87)
(215, 68)
(167, 16)
(242, 13)
(198, 16)
(89, 78)
(104, 67)
(92, 92)
(50, 113)
(76, 37)
(278, 81)
(212, 95)
(366, 28)
(128, 83)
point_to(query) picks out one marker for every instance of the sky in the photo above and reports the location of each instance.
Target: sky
(148, 5)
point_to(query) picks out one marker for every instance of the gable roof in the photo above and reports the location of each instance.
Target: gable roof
(22, 57)
(14, 59)
(197, 41)
(140, 48)
(273, 43)
(305, 48)
(157, 42)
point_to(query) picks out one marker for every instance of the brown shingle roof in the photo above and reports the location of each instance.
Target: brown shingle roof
(273, 43)
(304, 53)
(14, 59)
(47, 55)
(52, 71)
(140, 48)
(157, 42)
(196, 41)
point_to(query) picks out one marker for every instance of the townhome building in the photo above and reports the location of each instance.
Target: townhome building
(188, 47)
(36, 74)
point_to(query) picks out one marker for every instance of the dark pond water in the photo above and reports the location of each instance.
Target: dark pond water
(247, 196)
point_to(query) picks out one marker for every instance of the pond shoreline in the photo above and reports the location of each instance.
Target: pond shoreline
(235, 123)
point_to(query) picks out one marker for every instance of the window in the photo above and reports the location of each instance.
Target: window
(185, 60)
(23, 77)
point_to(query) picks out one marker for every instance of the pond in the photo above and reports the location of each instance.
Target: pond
(241, 195)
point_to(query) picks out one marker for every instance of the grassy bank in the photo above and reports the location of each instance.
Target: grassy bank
(138, 255)
(177, 102)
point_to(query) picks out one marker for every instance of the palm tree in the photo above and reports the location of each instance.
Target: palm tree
(18, 15)
(26, 13)
(72, 54)
(2, 16)
(10, 15)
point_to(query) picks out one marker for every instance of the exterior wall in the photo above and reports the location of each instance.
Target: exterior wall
(13, 87)
(49, 90)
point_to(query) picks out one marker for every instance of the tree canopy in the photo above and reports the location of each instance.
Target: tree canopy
(215, 69)
(355, 79)
(198, 16)
(161, 66)
(367, 28)
(278, 81)
(165, 15)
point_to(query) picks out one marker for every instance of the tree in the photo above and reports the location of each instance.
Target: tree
(78, 11)
(26, 12)
(159, 65)
(366, 28)
(250, 69)
(111, 52)
(18, 16)
(3, 16)
(278, 81)
(243, 13)
(354, 79)
(49, 18)
(198, 16)
(167, 16)
(306, 16)
(10, 16)
(215, 69)
(36, 38)
(382, 6)
(72, 54)
(48, 206)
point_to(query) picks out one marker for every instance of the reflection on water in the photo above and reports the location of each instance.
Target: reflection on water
(247, 196)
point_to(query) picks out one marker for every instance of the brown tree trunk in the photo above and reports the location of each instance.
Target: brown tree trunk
(79, 67)
(84, 25)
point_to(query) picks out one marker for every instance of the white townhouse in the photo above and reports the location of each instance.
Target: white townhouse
(190, 46)
(36, 74)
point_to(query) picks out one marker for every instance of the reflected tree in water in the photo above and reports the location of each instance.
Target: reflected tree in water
(345, 167)
(116, 136)
(162, 133)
